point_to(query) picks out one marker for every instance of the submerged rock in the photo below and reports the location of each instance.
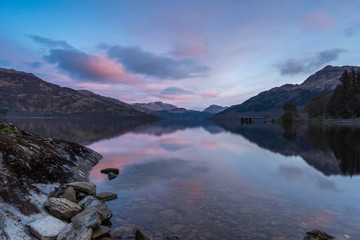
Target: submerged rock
(101, 231)
(62, 208)
(47, 228)
(141, 235)
(86, 187)
(106, 196)
(317, 235)
(111, 176)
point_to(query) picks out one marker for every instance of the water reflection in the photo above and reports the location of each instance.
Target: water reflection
(82, 131)
(331, 148)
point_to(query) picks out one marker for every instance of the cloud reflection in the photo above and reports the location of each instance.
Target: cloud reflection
(291, 173)
(158, 171)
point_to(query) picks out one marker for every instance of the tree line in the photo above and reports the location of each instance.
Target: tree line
(343, 103)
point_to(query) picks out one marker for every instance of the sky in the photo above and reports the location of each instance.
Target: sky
(188, 53)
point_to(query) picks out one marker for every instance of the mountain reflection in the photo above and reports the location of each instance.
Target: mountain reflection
(332, 149)
(82, 131)
(88, 131)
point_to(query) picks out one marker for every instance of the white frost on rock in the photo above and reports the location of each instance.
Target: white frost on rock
(47, 228)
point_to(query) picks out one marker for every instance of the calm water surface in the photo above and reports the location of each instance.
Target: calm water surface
(203, 181)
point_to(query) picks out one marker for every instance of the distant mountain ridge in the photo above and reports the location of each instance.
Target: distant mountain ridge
(270, 102)
(156, 106)
(214, 109)
(24, 94)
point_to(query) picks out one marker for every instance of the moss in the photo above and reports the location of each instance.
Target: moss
(10, 130)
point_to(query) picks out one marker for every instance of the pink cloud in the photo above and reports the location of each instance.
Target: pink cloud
(210, 144)
(319, 21)
(210, 94)
(90, 67)
(194, 49)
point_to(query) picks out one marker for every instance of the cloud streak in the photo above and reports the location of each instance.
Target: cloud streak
(138, 61)
(175, 91)
(50, 43)
(210, 94)
(308, 64)
(319, 21)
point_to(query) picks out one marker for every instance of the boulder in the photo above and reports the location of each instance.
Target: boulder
(106, 196)
(90, 202)
(86, 187)
(112, 175)
(89, 218)
(317, 235)
(47, 228)
(84, 234)
(110, 170)
(62, 208)
(141, 235)
(70, 194)
(67, 234)
(101, 231)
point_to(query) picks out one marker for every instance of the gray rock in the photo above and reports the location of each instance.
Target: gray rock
(62, 208)
(86, 201)
(47, 228)
(106, 196)
(80, 196)
(90, 201)
(70, 194)
(101, 231)
(67, 234)
(112, 175)
(173, 237)
(84, 234)
(110, 170)
(141, 235)
(89, 218)
(86, 187)
(317, 235)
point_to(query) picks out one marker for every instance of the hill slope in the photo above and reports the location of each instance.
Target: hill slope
(214, 109)
(270, 103)
(24, 94)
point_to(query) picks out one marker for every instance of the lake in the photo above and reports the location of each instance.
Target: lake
(200, 180)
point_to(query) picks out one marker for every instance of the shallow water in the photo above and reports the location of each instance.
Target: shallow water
(203, 181)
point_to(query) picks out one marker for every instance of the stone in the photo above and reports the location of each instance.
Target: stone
(86, 187)
(111, 176)
(84, 234)
(173, 237)
(317, 235)
(62, 208)
(47, 228)
(80, 196)
(67, 234)
(106, 196)
(90, 201)
(89, 218)
(141, 235)
(70, 194)
(110, 170)
(101, 231)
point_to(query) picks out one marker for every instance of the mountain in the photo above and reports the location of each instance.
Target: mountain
(214, 109)
(270, 103)
(184, 114)
(24, 94)
(156, 106)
